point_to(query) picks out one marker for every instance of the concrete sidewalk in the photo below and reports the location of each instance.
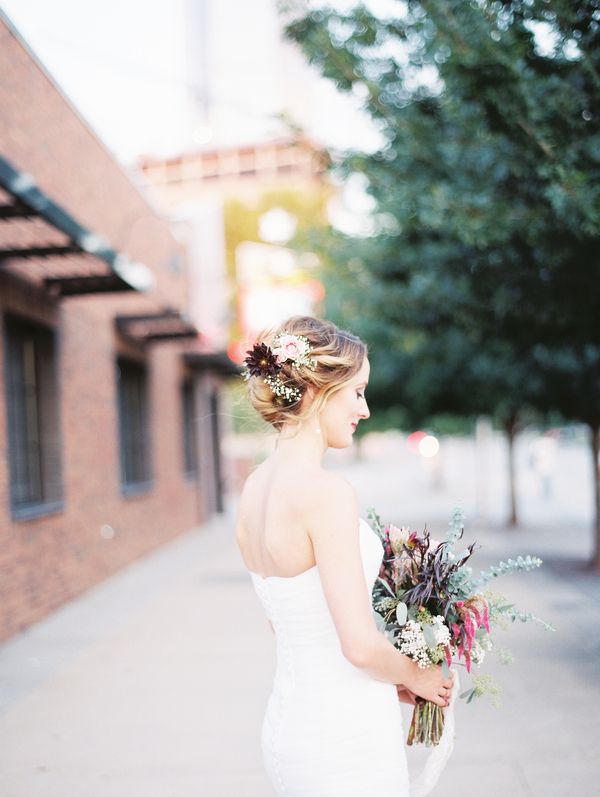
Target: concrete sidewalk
(155, 682)
(151, 684)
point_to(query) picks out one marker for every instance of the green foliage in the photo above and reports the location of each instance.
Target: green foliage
(485, 684)
(480, 293)
(521, 563)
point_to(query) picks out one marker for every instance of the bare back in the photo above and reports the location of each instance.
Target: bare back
(271, 530)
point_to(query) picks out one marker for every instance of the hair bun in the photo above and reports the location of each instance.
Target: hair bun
(276, 388)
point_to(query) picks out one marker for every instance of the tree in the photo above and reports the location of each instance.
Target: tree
(423, 366)
(487, 188)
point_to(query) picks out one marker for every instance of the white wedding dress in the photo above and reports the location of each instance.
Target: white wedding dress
(330, 728)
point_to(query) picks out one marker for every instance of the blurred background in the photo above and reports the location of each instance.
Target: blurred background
(175, 177)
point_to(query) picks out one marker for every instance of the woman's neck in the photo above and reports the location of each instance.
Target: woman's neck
(306, 445)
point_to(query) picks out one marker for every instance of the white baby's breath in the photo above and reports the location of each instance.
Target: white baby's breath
(413, 644)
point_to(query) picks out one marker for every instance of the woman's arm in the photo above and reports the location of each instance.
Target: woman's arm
(333, 524)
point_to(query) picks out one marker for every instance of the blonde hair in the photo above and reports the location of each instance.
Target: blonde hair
(339, 355)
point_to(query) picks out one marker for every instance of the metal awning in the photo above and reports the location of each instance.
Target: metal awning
(216, 362)
(42, 243)
(164, 325)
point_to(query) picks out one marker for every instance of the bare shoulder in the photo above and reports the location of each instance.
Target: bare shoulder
(330, 488)
(246, 493)
(310, 497)
(331, 500)
(248, 484)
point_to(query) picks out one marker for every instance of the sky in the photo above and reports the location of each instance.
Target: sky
(120, 63)
(131, 68)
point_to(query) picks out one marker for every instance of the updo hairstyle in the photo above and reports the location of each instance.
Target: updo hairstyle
(339, 355)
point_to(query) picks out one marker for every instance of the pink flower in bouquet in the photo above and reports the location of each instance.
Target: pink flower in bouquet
(398, 537)
(474, 614)
(401, 567)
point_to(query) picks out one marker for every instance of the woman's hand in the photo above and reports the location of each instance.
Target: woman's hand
(430, 684)
(405, 695)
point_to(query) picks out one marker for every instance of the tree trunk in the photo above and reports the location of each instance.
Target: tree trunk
(595, 440)
(510, 428)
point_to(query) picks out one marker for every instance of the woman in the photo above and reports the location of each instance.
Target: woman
(333, 724)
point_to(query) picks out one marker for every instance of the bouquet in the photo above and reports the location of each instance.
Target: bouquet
(434, 610)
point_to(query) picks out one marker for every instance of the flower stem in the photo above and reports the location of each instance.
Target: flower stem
(427, 724)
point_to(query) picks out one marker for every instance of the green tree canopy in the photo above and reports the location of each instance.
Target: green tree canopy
(487, 192)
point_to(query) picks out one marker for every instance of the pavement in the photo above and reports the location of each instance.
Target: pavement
(155, 681)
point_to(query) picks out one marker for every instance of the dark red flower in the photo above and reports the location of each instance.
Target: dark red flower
(261, 361)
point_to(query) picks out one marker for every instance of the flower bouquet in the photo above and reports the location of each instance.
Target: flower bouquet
(432, 608)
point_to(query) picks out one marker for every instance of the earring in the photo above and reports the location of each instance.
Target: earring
(318, 430)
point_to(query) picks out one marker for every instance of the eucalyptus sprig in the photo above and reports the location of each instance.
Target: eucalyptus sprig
(376, 522)
(456, 529)
(520, 564)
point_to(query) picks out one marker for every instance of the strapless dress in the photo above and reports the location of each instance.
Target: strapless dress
(330, 729)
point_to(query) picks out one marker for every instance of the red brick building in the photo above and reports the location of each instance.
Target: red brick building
(245, 172)
(109, 436)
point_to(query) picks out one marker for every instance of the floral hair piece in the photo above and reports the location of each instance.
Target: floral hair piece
(267, 361)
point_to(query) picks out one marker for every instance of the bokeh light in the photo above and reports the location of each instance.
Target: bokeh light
(429, 446)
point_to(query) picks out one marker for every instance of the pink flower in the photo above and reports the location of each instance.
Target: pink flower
(398, 537)
(290, 348)
(448, 655)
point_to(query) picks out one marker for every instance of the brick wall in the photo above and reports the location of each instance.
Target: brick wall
(48, 560)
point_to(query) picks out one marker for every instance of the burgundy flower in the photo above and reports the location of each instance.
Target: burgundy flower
(261, 361)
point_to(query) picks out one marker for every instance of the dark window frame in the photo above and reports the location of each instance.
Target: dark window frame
(189, 429)
(133, 410)
(34, 439)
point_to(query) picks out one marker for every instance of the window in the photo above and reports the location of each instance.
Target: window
(33, 419)
(134, 430)
(190, 448)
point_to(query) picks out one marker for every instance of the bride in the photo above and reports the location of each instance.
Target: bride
(333, 723)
